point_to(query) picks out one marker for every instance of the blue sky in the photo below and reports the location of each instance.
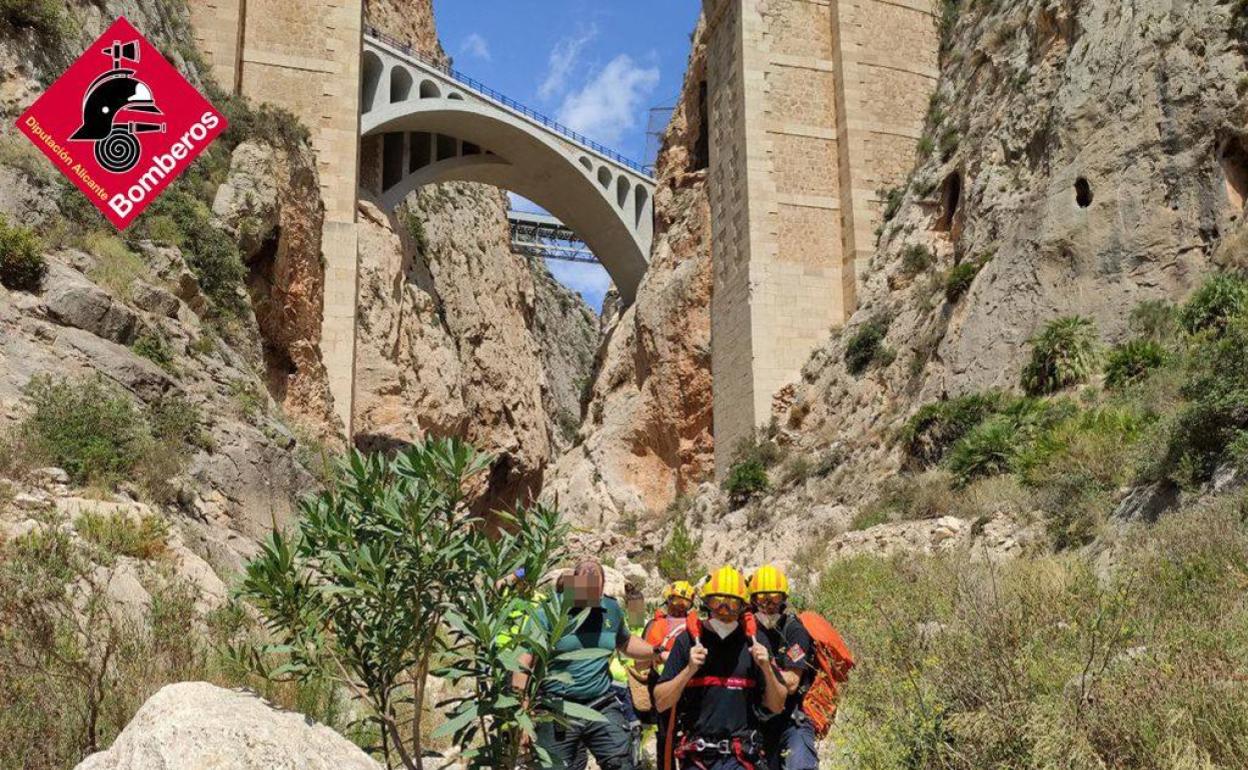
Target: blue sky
(597, 66)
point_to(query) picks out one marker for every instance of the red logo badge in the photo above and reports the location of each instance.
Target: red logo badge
(122, 123)
(796, 653)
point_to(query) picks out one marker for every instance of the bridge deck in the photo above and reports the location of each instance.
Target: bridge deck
(541, 235)
(406, 49)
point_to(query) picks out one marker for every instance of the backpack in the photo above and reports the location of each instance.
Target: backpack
(833, 660)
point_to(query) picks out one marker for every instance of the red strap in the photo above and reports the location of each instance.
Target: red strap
(739, 751)
(731, 682)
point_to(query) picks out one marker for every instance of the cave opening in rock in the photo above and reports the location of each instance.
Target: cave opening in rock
(951, 200)
(1083, 193)
(1234, 162)
(266, 303)
(702, 149)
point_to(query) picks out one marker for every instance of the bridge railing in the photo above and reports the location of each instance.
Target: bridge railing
(481, 88)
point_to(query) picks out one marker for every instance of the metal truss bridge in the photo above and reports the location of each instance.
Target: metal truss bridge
(541, 235)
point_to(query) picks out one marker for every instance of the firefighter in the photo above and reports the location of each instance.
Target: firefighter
(719, 678)
(788, 737)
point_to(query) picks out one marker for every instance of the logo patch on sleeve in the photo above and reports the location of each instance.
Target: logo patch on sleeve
(795, 653)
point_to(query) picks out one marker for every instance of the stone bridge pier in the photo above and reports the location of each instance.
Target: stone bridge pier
(814, 107)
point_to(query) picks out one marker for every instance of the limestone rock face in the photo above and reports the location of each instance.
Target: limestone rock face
(197, 725)
(271, 204)
(456, 334)
(1085, 165)
(647, 433)
(409, 380)
(567, 336)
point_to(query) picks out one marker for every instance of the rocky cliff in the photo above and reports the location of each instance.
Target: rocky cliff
(1080, 158)
(646, 438)
(217, 314)
(458, 334)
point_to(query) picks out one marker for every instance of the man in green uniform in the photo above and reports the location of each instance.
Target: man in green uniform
(604, 627)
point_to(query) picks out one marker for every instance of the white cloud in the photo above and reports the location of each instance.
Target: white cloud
(590, 281)
(477, 46)
(608, 105)
(563, 57)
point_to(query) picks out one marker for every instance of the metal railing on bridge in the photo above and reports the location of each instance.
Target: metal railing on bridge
(539, 235)
(408, 50)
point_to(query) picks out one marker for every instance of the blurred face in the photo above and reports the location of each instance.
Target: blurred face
(586, 584)
(635, 606)
(769, 603)
(678, 606)
(725, 608)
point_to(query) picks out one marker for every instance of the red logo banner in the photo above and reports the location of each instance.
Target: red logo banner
(122, 123)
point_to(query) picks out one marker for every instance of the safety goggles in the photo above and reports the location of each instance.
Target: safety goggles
(679, 603)
(771, 597)
(730, 603)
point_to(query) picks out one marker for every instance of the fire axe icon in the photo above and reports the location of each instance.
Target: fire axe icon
(111, 94)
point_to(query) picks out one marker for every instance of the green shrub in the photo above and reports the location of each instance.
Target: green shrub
(907, 497)
(116, 266)
(1065, 353)
(1132, 361)
(74, 669)
(678, 558)
(759, 447)
(948, 142)
(211, 253)
(892, 198)
(745, 481)
(958, 281)
(929, 433)
(415, 226)
(986, 450)
(867, 517)
(864, 346)
(43, 16)
(1216, 407)
(995, 445)
(1221, 297)
(916, 258)
(91, 429)
(389, 575)
(99, 435)
(120, 535)
(925, 146)
(153, 346)
(22, 265)
(1154, 319)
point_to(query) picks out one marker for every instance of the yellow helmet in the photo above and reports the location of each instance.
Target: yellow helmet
(682, 589)
(725, 581)
(769, 579)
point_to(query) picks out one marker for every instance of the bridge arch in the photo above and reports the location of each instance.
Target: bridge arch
(434, 129)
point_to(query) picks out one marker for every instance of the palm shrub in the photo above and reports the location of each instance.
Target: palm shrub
(1221, 297)
(1064, 353)
(929, 433)
(1132, 361)
(389, 567)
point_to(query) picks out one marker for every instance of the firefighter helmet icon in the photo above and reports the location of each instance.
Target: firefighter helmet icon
(116, 92)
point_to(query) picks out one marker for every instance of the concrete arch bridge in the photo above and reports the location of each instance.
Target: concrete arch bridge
(422, 122)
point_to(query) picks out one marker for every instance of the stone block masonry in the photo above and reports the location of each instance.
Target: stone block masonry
(304, 56)
(814, 106)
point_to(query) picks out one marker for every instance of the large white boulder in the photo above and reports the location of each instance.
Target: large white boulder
(197, 726)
